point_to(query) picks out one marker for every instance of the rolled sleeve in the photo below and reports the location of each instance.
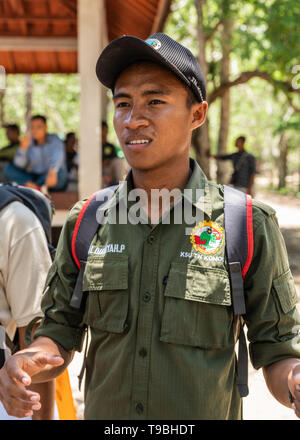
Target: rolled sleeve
(272, 317)
(61, 322)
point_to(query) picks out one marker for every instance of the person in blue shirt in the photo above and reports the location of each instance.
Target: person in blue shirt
(40, 160)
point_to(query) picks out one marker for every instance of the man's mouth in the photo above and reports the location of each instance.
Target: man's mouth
(138, 144)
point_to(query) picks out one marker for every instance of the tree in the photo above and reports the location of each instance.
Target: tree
(260, 37)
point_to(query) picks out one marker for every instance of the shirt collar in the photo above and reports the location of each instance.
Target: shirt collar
(197, 190)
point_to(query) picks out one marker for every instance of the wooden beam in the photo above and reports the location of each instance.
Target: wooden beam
(161, 16)
(38, 43)
(35, 19)
(70, 5)
(18, 9)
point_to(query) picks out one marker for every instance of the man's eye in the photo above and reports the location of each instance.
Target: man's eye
(156, 101)
(122, 104)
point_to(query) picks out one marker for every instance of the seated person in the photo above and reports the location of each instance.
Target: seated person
(40, 160)
(113, 167)
(8, 152)
(71, 149)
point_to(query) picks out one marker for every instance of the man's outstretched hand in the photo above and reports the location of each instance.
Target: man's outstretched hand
(294, 387)
(17, 373)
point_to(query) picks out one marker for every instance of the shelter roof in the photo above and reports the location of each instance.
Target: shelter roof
(40, 36)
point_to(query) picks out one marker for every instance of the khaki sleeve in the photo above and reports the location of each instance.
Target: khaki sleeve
(61, 322)
(272, 316)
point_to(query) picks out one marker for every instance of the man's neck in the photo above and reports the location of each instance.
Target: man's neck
(168, 177)
(41, 141)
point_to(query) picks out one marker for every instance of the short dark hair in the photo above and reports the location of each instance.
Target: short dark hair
(13, 127)
(242, 138)
(70, 134)
(41, 117)
(191, 98)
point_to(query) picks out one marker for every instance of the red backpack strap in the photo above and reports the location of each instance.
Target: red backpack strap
(77, 226)
(249, 214)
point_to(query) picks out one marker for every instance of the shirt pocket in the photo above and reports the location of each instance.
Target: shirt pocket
(197, 308)
(106, 282)
(286, 291)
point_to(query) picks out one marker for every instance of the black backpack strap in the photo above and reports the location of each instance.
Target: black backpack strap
(40, 204)
(239, 248)
(87, 224)
(6, 197)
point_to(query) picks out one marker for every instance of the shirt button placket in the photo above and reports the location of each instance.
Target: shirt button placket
(140, 390)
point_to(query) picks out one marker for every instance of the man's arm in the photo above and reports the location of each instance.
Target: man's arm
(251, 184)
(272, 316)
(218, 156)
(282, 377)
(20, 158)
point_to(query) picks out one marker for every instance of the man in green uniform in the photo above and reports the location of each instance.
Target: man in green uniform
(157, 295)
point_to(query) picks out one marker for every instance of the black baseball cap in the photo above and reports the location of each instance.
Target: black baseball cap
(158, 48)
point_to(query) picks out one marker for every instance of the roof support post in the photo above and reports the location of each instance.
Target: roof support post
(90, 43)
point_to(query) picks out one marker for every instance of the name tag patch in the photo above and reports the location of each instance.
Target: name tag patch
(109, 248)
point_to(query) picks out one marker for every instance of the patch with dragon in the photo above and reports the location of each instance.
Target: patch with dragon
(207, 237)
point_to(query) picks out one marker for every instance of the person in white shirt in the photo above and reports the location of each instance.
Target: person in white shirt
(24, 264)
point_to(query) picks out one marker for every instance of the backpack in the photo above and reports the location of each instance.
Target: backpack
(238, 224)
(42, 207)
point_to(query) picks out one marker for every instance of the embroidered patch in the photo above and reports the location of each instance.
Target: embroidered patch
(156, 44)
(207, 237)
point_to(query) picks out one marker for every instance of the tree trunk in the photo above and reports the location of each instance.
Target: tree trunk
(225, 99)
(200, 138)
(28, 100)
(282, 165)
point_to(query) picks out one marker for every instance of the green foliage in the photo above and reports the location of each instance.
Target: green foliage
(55, 96)
(265, 37)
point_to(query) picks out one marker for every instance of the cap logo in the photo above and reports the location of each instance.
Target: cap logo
(156, 44)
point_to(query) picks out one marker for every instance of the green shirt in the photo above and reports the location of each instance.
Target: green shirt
(8, 152)
(160, 315)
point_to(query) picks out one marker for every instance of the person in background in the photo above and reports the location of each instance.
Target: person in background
(8, 152)
(244, 165)
(24, 264)
(70, 149)
(40, 160)
(113, 167)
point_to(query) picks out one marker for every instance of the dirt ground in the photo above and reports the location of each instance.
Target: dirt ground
(259, 404)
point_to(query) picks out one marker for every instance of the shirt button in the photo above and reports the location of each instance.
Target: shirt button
(146, 297)
(139, 408)
(143, 352)
(151, 239)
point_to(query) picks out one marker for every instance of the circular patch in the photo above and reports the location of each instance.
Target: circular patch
(156, 44)
(207, 237)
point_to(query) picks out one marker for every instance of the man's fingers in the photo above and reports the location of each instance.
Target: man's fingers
(22, 367)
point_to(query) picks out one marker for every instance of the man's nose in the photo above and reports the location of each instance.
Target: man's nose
(136, 118)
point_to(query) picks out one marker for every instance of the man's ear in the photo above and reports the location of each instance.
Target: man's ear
(199, 111)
